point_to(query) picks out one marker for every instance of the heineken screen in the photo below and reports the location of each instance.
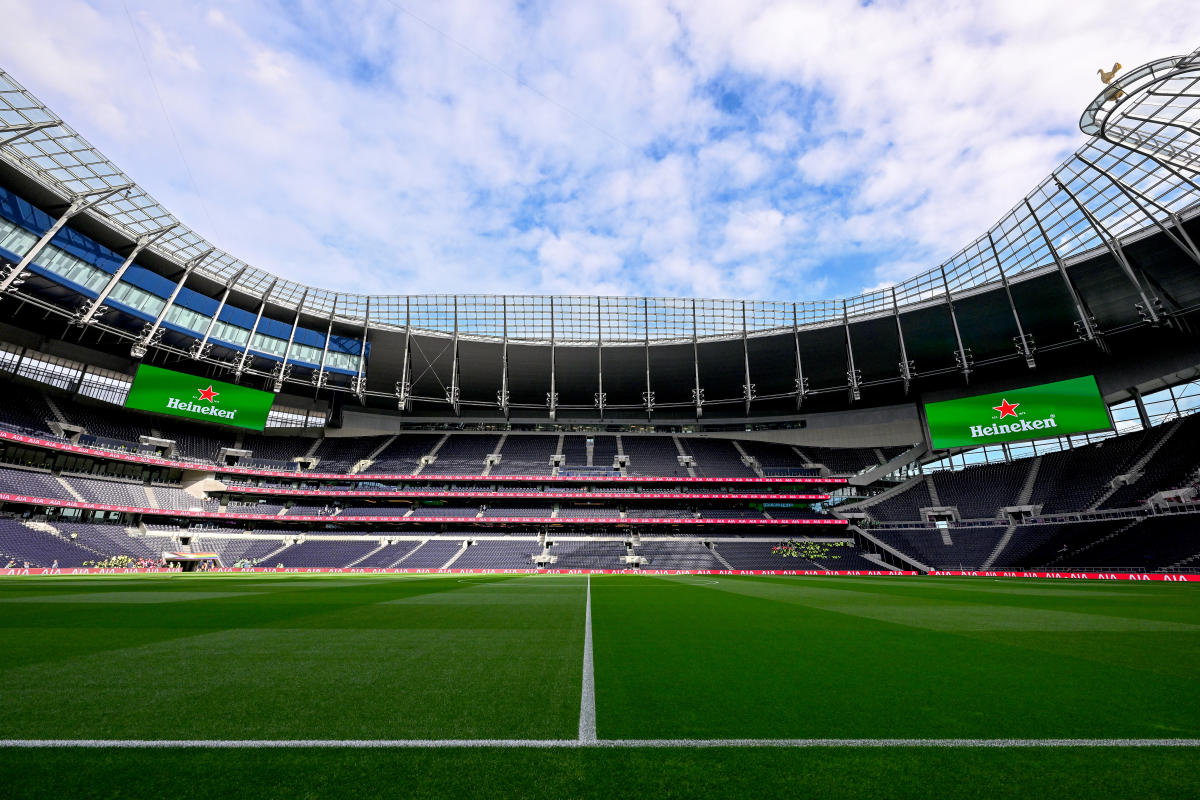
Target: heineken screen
(166, 392)
(1035, 412)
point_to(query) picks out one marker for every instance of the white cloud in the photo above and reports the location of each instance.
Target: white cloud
(700, 147)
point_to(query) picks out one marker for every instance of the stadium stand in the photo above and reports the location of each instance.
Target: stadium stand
(403, 455)
(526, 455)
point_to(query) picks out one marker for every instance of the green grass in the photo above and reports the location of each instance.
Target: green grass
(308, 657)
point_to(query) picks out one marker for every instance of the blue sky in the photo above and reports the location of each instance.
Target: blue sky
(757, 149)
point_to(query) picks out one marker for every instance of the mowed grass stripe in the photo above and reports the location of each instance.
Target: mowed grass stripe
(750, 659)
(273, 744)
(327, 661)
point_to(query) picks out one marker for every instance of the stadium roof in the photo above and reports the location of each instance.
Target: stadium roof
(1138, 170)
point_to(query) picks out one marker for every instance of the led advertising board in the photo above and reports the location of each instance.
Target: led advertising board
(1035, 412)
(164, 391)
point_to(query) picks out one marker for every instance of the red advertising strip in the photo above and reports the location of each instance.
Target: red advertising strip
(169, 512)
(1093, 576)
(1130, 576)
(386, 571)
(548, 495)
(137, 458)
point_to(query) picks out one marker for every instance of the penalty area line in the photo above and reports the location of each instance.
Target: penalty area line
(266, 744)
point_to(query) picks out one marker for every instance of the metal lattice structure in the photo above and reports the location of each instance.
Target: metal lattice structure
(1137, 173)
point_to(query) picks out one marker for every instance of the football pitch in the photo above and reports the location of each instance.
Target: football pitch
(575, 686)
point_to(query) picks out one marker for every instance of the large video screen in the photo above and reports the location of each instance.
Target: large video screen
(1035, 412)
(164, 391)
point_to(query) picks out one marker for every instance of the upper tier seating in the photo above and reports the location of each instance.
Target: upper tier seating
(403, 455)
(1173, 466)
(274, 452)
(652, 455)
(980, 492)
(526, 455)
(342, 453)
(463, 454)
(717, 458)
(26, 410)
(108, 492)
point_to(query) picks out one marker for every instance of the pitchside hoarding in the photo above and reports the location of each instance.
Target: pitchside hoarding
(166, 392)
(1035, 412)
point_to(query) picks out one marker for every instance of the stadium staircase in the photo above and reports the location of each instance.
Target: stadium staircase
(691, 471)
(875, 500)
(70, 489)
(404, 557)
(933, 493)
(749, 460)
(431, 456)
(904, 558)
(872, 474)
(878, 559)
(151, 500)
(1035, 467)
(55, 410)
(1135, 470)
(266, 560)
(364, 463)
(462, 549)
(366, 555)
(494, 457)
(720, 558)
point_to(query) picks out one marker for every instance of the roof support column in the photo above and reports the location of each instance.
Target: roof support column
(1023, 341)
(801, 381)
(552, 395)
(453, 392)
(1185, 243)
(91, 311)
(152, 333)
(201, 346)
(1148, 309)
(283, 369)
(359, 385)
(245, 359)
(648, 395)
(79, 203)
(502, 395)
(697, 392)
(907, 370)
(601, 398)
(962, 356)
(404, 386)
(320, 377)
(748, 391)
(1086, 324)
(853, 375)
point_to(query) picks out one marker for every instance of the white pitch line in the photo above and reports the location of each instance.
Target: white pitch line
(231, 744)
(587, 696)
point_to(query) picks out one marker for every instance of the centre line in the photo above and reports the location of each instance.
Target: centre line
(587, 697)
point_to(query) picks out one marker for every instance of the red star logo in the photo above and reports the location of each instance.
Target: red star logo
(1006, 409)
(208, 394)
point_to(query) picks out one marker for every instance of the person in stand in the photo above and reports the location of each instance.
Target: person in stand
(54, 565)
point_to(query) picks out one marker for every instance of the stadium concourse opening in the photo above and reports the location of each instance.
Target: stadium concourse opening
(597, 523)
